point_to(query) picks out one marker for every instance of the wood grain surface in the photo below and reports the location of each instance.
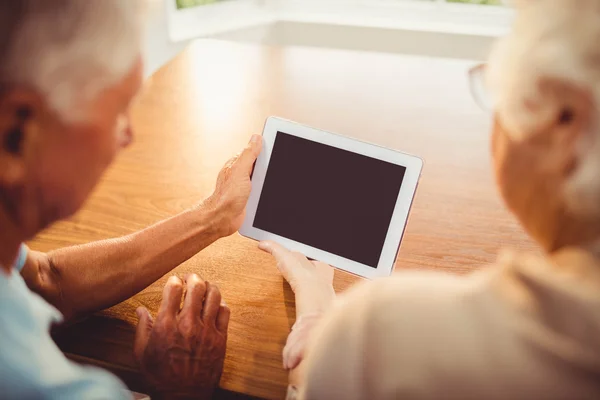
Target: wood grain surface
(202, 107)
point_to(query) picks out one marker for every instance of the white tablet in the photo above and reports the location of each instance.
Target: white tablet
(331, 198)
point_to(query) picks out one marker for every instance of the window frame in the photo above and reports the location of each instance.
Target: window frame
(417, 15)
(212, 19)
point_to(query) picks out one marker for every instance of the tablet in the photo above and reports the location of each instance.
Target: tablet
(332, 198)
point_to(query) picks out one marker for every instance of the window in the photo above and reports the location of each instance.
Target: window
(188, 19)
(194, 3)
(483, 2)
(475, 2)
(201, 18)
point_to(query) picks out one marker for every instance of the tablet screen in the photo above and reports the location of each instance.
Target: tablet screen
(328, 198)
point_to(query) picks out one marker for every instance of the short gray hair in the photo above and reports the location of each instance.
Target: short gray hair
(68, 50)
(552, 39)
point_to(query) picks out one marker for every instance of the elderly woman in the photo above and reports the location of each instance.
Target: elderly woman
(528, 328)
(68, 72)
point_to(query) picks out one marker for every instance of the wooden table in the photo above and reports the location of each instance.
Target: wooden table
(201, 108)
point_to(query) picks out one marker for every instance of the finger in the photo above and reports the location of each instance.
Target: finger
(249, 155)
(285, 260)
(325, 270)
(171, 300)
(283, 256)
(294, 348)
(298, 256)
(196, 289)
(211, 303)
(222, 321)
(279, 252)
(142, 332)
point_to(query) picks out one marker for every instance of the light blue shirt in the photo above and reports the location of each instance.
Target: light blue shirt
(31, 365)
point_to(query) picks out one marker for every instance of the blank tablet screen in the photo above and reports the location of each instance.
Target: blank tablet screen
(331, 199)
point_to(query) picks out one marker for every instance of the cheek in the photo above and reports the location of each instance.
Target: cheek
(513, 170)
(108, 148)
(498, 148)
(529, 189)
(101, 147)
(515, 165)
(71, 170)
(101, 151)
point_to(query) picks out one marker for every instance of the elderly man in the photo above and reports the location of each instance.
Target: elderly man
(68, 72)
(527, 328)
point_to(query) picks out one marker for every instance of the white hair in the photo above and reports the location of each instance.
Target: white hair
(557, 39)
(68, 50)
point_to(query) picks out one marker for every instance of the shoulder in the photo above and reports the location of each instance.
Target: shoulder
(418, 334)
(31, 365)
(404, 295)
(409, 335)
(40, 371)
(382, 331)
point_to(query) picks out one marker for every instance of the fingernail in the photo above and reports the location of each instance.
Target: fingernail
(139, 312)
(254, 139)
(263, 245)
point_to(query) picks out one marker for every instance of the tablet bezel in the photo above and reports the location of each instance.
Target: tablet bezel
(399, 219)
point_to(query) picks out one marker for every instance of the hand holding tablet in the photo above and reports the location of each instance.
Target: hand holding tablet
(332, 198)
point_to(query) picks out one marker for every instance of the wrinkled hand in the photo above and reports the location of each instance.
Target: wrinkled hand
(233, 188)
(311, 281)
(181, 354)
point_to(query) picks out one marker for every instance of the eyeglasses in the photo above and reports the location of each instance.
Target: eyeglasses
(478, 88)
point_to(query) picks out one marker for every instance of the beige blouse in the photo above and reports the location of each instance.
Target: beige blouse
(527, 328)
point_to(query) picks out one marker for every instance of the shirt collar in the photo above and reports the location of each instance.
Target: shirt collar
(21, 258)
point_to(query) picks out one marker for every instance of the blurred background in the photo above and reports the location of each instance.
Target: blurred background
(463, 29)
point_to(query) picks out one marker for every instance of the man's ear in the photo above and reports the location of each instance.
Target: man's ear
(564, 114)
(18, 111)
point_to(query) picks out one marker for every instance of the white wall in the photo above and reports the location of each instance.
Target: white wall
(157, 47)
(386, 40)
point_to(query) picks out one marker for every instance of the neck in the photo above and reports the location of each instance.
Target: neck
(10, 240)
(593, 248)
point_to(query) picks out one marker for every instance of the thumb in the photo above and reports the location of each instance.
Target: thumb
(250, 153)
(142, 332)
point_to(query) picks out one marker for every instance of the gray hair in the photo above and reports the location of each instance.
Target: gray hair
(68, 50)
(551, 39)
